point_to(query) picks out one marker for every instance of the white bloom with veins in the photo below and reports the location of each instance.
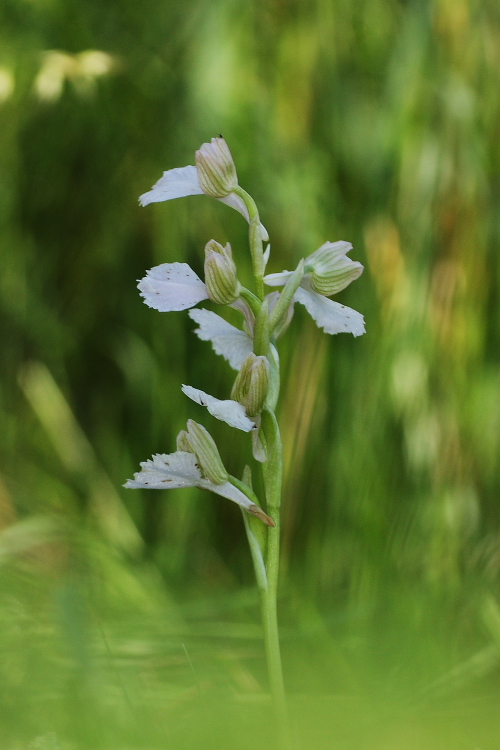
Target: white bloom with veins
(330, 267)
(180, 469)
(183, 181)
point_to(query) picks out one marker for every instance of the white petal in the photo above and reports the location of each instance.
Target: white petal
(176, 183)
(227, 340)
(226, 490)
(227, 411)
(277, 279)
(166, 472)
(329, 315)
(172, 286)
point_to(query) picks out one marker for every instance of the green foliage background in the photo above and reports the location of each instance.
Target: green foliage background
(131, 619)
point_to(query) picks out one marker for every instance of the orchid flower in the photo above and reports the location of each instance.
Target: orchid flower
(184, 181)
(326, 271)
(181, 469)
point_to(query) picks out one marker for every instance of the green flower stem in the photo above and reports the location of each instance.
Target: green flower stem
(256, 249)
(273, 477)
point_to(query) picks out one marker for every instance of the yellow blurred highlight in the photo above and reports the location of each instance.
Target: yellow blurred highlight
(77, 455)
(386, 264)
(82, 69)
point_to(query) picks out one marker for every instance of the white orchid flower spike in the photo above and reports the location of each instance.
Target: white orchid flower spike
(181, 469)
(327, 271)
(184, 181)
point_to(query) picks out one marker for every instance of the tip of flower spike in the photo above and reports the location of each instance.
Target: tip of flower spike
(259, 513)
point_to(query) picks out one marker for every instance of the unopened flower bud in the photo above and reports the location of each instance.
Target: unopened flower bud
(216, 170)
(252, 384)
(330, 269)
(204, 447)
(221, 278)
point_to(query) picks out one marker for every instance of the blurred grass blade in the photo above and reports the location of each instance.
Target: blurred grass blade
(78, 457)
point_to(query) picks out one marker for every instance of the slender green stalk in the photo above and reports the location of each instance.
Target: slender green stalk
(272, 475)
(255, 237)
(273, 479)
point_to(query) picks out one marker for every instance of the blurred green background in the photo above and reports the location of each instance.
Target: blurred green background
(131, 619)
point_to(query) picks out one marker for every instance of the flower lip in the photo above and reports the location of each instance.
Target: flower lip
(171, 287)
(227, 340)
(175, 183)
(229, 411)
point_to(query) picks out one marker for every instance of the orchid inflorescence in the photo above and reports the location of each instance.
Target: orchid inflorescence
(250, 350)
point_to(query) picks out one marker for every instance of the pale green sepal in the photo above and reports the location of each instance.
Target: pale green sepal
(240, 388)
(205, 449)
(331, 269)
(182, 442)
(216, 169)
(252, 384)
(258, 387)
(221, 278)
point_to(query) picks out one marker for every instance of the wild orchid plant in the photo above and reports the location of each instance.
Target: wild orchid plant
(251, 351)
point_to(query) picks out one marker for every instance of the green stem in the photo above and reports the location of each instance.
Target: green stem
(273, 479)
(273, 474)
(255, 238)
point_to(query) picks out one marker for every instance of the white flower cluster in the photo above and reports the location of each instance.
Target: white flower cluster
(175, 286)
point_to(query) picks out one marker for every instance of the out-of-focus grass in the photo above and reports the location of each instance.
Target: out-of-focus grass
(131, 620)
